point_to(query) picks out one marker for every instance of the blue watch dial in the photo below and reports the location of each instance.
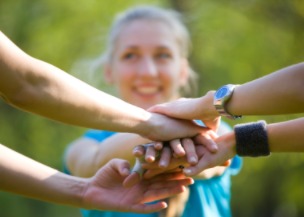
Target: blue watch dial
(221, 92)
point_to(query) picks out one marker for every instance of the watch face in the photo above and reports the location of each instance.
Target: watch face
(221, 92)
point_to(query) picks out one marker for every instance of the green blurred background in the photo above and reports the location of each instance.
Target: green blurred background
(233, 42)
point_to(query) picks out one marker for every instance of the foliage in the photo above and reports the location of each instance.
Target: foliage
(233, 42)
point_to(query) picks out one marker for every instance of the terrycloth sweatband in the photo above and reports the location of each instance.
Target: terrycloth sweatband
(252, 139)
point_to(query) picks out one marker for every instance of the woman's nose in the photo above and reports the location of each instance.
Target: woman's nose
(147, 67)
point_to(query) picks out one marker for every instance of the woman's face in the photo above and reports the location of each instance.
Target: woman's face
(147, 67)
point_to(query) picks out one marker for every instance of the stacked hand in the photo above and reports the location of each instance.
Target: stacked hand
(191, 109)
(190, 155)
(105, 191)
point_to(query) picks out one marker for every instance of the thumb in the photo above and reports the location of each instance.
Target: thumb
(198, 168)
(160, 108)
(131, 180)
(122, 166)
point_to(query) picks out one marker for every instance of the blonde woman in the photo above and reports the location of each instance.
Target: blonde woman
(146, 61)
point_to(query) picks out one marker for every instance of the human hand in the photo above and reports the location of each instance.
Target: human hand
(148, 153)
(177, 148)
(226, 151)
(105, 191)
(191, 108)
(159, 157)
(163, 128)
(163, 151)
(153, 169)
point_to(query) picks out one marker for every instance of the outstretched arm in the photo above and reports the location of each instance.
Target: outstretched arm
(85, 156)
(38, 87)
(104, 191)
(282, 137)
(280, 92)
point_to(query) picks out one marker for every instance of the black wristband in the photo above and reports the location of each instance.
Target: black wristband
(252, 139)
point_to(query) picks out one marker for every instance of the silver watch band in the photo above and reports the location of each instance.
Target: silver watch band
(221, 97)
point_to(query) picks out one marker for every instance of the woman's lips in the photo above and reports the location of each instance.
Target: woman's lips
(148, 90)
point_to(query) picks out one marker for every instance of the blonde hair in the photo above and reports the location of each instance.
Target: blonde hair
(172, 19)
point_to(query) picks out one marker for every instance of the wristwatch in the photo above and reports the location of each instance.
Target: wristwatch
(221, 97)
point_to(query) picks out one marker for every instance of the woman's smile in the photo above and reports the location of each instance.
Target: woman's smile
(147, 90)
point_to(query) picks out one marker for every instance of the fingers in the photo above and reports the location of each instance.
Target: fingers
(195, 170)
(139, 151)
(148, 151)
(207, 141)
(137, 168)
(158, 146)
(163, 186)
(181, 108)
(175, 149)
(168, 180)
(164, 189)
(190, 151)
(153, 169)
(205, 162)
(165, 157)
(178, 150)
(160, 108)
(186, 149)
(150, 154)
(121, 166)
(149, 208)
(131, 180)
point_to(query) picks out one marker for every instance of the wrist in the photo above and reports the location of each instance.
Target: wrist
(147, 125)
(221, 98)
(231, 141)
(144, 124)
(80, 193)
(207, 109)
(228, 139)
(252, 139)
(65, 189)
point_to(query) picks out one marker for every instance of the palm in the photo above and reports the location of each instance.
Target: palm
(105, 190)
(108, 187)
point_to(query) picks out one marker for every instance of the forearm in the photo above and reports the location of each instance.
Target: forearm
(281, 92)
(286, 136)
(74, 102)
(282, 137)
(27, 177)
(41, 88)
(81, 104)
(85, 156)
(119, 146)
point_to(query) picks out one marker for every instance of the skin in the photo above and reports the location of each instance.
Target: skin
(45, 90)
(147, 67)
(98, 192)
(282, 137)
(35, 86)
(283, 93)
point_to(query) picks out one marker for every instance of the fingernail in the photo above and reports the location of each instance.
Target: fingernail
(187, 171)
(162, 165)
(126, 171)
(150, 159)
(193, 160)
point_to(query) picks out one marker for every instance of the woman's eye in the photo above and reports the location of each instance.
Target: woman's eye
(163, 55)
(129, 56)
